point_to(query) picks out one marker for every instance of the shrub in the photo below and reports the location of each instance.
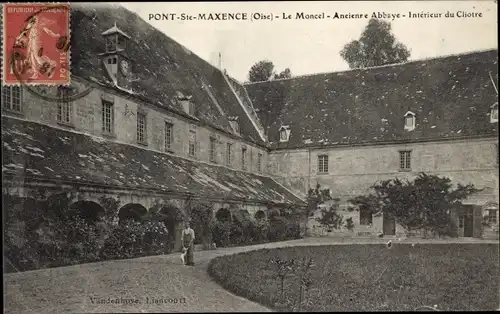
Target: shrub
(221, 233)
(132, 238)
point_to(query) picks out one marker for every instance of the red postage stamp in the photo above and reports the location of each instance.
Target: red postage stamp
(36, 44)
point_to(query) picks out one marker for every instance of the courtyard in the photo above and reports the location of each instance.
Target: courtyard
(76, 288)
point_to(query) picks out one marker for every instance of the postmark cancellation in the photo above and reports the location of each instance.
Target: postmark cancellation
(36, 42)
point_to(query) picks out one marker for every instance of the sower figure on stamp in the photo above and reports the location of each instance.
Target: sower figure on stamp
(31, 39)
(188, 244)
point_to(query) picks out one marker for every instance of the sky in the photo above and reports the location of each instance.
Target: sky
(313, 46)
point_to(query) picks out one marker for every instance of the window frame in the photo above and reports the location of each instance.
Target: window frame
(212, 149)
(259, 162)
(229, 153)
(142, 137)
(405, 159)
(62, 93)
(169, 134)
(8, 105)
(323, 164)
(104, 105)
(192, 143)
(243, 158)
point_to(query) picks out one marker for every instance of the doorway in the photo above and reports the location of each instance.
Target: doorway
(468, 221)
(389, 225)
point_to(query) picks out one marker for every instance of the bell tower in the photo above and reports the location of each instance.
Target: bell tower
(116, 58)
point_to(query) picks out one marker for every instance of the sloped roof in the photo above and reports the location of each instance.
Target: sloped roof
(42, 152)
(451, 97)
(161, 66)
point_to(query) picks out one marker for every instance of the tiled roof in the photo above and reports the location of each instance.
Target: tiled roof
(32, 150)
(451, 97)
(161, 67)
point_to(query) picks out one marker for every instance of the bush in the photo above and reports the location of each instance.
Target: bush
(278, 229)
(221, 233)
(38, 234)
(133, 238)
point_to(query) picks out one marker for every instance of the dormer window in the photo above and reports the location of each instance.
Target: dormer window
(284, 133)
(192, 108)
(409, 121)
(494, 113)
(234, 124)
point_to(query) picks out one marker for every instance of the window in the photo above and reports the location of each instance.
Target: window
(323, 164)
(409, 121)
(365, 217)
(11, 98)
(64, 106)
(243, 158)
(112, 60)
(284, 133)
(491, 216)
(405, 160)
(192, 143)
(169, 135)
(107, 117)
(235, 125)
(494, 113)
(229, 153)
(111, 42)
(141, 127)
(192, 108)
(259, 162)
(212, 149)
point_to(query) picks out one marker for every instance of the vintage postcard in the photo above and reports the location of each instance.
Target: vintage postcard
(270, 156)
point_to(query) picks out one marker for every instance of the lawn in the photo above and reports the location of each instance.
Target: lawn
(368, 277)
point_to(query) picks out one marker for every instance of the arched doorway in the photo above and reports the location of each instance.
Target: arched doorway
(260, 215)
(131, 211)
(223, 215)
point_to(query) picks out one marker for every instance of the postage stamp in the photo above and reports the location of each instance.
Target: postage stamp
(36, 44)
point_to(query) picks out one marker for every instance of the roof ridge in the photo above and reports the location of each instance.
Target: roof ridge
(377, 67)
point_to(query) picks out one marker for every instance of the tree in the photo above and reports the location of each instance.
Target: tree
(261, 71)
(264, 71)
(284, 74)
(377, 46)
(425, 203)
(330, 218)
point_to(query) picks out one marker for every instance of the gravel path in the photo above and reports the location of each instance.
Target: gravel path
(71, 289)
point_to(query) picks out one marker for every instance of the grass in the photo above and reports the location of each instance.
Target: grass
(369, 277)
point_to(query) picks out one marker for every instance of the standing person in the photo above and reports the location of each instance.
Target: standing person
(188, 244)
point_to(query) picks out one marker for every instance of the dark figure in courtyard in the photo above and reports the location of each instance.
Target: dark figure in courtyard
(188, 244)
